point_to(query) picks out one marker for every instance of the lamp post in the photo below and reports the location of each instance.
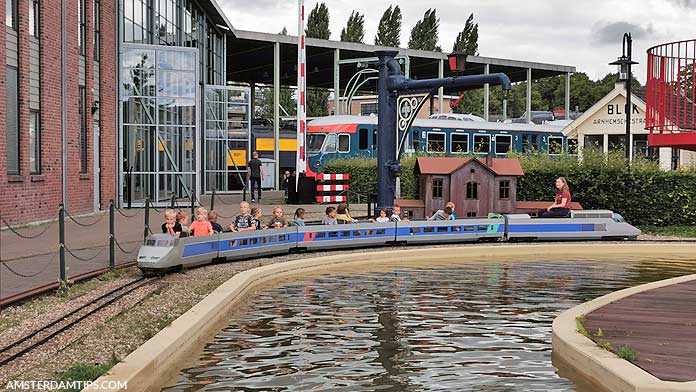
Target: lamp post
(624, 63)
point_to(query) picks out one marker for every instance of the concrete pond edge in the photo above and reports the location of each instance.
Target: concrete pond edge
(148, 366)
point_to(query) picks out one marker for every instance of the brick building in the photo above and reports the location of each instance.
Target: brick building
(31, 160)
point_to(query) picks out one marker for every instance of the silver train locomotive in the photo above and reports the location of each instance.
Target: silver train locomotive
(162, 253)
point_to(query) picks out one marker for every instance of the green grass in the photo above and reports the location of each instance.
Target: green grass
(85, 372)
(627, 352)
(672, 231)
(579, 325)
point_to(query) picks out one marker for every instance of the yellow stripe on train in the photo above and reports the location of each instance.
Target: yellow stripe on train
(267, 144)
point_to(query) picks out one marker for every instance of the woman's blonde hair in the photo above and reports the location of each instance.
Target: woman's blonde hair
(565, 184)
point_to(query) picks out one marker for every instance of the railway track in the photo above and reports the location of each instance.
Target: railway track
(38, 337)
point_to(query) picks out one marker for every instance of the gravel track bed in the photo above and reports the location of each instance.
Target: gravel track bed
(114, 333)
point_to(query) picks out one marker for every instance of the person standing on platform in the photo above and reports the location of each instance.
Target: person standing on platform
(255, 173)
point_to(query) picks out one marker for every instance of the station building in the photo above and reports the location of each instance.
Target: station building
(149, 100)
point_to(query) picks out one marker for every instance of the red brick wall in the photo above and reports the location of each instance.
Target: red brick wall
(28, 197)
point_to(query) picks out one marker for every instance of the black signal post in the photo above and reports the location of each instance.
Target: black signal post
(624, 63)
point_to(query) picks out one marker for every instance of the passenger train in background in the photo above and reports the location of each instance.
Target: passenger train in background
(336, 137)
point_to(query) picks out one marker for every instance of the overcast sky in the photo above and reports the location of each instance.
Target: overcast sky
(583, 33)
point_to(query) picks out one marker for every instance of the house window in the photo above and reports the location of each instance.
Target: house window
(437, 188)
(471, 214)
(594, 143)
(362, 139)
(482, 144)
(34, 142)
(34, 18)
(81, 16)
(343, 143)
(83, 129)
(96, 40)
(503, 144)
(555, 145)
(617, 142)
(572, 146)
(472, 190)
(641, 149)
(11, 14)
(12, 120)
(459, 143)
(436, 142)
(504, 189)
(367, 109)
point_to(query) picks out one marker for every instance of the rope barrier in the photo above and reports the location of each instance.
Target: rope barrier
(31, 275)
(123, 214)
(118, 245)
(26, 237)
(86, 258)
(159, 210)
(223, 201)
(84, 224)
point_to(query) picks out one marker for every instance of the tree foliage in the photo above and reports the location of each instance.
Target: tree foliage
(318, 22)
(467, 39)
(317, 102)
(424, 34)
(263, 107)
(355, 28)
(389, 29)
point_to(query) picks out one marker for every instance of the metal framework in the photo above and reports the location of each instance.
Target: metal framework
(670, 94)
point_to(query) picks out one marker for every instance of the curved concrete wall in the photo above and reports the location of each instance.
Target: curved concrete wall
(154, 361)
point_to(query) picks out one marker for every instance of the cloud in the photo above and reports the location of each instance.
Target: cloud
(684, 3)
(606, 33)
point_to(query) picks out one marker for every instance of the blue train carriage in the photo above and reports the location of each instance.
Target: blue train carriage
(450, 231)
(162, 252)
(354, 235)
(356, 136)
(581, 225)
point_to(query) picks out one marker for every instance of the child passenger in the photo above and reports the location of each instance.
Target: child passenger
(182, 219)
(212, 218)
(299, 217)
(201, 227)
(330, 218)
(243, 221)
(171, 226)
(277, 220)
(256, 213)
(343, 214)
(382, 216)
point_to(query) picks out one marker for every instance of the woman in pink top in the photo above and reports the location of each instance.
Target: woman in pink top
(201, 226)
(561, 206)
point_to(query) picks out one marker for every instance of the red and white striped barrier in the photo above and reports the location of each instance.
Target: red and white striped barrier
(331, 188)
(331, 199)
(332, 177)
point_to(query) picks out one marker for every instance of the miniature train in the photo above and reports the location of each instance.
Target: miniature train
(162, 253)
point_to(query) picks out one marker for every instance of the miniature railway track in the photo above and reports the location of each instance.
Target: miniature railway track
(43, 334)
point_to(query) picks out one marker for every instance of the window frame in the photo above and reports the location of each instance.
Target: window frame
(96, 38)
(17, 149)
(503, 135)
(326, 141)
(84, 143)
(35, 169)
(548, 141)
(504, 189)
(14, 5)
(82, 27)
(577, 147)
(34, 18)
(427, 141)
(363, 139)
(437, 183)
(474, 143)
(338, 143)
(472, 192)
(466, 135)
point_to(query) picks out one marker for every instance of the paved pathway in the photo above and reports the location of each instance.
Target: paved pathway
(659, 324)
(30, 263)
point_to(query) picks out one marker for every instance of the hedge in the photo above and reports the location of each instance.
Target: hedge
(642, 193)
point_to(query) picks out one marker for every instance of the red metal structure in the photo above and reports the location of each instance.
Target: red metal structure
(670, 95)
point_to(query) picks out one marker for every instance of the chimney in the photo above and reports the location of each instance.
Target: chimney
(489, 160)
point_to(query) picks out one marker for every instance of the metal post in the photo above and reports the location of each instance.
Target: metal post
(212, 201)
(529, 96)
(276, 114)
(61, 240)
(146, 231)
(567, 96)
(337, 81)
(173, 202)
(486, 94)
(64, 104)
(193, 206)
(441, 90)
(386, 135)
(112, 250)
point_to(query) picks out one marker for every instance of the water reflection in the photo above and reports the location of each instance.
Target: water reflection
(484, 327)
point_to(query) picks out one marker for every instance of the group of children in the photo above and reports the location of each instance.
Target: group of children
(176, 223)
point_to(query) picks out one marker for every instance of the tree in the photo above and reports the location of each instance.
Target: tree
(264, 103)
(284, 31)
(318, 22)
(389, 29)
(355, 28)
(317, 102)
(467, 39)
(424, 33)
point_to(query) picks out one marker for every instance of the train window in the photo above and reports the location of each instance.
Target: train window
(344, 143)
(482, 144)
(415, 140)
(443, 229)
(330, 143)
(428, 230)
(468, 228)
(573, 146)
(273, 238)
(314, 141)
(357, 233)
(321, 235)
(253, 241)
(282, 238)
(503, 144)
(362, 139)
(472, 190)
(380, 232)
(264, 240)
(233, 244)
(345, 234)
(530, 143)
(482, 228)
(555, 145)
(435, 142)
(455, 228)
(150, 242)
(459, 143)
(333, 234)
(243, 242)
(414, 230)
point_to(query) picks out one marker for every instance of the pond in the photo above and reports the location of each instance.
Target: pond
(416, 327)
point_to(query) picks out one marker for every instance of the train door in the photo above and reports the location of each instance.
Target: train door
(364, 147)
